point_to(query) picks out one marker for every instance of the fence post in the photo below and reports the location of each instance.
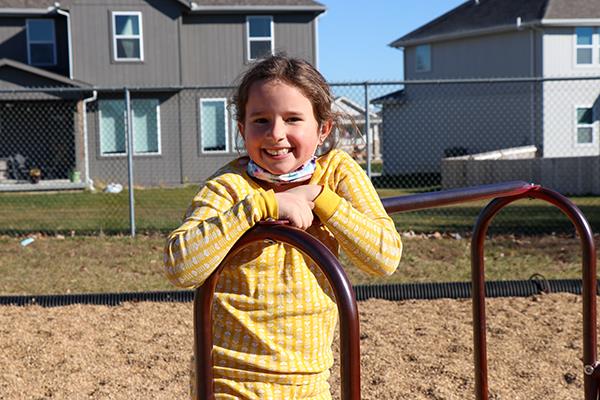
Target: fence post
(367, 130)
(129, 139)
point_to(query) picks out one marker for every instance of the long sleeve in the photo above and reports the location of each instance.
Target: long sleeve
(220, 214)
(352, 211)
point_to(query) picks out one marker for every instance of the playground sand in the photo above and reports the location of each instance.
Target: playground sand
(409, 350)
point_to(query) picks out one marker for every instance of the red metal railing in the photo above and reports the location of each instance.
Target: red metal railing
(502, 193)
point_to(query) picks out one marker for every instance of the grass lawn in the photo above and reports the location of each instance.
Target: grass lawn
(161, 210)
(121, 264)
(73, 262)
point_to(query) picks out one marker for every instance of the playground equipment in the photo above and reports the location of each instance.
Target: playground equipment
(502, 195)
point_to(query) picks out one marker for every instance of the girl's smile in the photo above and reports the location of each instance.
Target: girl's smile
(280, 130)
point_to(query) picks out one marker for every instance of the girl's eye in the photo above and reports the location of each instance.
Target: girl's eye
(294, 119)
(260, 121)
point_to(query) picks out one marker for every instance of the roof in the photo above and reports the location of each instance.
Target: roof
(476, 17)
(396, 97)
(5, 62)
(348, 107)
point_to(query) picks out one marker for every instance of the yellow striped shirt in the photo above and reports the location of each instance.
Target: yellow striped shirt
(273, 311)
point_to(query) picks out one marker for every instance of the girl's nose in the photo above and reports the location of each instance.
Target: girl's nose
(277, 131)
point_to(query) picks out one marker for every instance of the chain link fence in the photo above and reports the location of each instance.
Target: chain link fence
(68, 158)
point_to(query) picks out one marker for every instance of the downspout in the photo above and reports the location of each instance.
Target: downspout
(86, 158)
(316, 35)
(537, 88)
(69, 46)
(532, 75)
(532, 118)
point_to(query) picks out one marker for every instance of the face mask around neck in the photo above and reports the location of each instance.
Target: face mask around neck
(303, 173)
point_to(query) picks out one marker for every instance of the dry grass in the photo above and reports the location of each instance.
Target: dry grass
(54, 264)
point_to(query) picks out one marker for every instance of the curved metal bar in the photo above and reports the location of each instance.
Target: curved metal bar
(333, 271)
(413, 202)
(504, 194)
(591, 374)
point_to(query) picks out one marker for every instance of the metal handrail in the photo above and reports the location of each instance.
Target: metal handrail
(333, 271)
(502, 193)
(589, 284)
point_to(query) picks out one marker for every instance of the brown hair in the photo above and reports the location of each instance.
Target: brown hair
(298, 73)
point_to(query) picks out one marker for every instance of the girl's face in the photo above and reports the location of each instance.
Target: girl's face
(280, 130)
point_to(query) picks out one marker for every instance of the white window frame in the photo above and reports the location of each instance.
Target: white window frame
(249, 39)
(140, 37)
(30, 41)
(593, 125)
(226, 119)
(235, 132)
(124, 153)
(428, 68)
(595, 46)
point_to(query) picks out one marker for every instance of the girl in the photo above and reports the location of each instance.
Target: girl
(274, 309)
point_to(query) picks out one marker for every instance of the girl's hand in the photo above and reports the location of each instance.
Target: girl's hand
(296, 205)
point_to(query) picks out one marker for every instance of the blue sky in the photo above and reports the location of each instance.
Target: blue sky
(354, 36)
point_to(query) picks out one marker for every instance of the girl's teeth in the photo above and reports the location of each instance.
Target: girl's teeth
(277, 152)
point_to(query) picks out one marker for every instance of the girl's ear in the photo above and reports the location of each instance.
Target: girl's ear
(325, 130)
(241, 129)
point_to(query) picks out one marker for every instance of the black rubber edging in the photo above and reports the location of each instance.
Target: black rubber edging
(394, 292)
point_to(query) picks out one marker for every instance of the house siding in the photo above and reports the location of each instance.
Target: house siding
(13, 39)
(196, 165)
(13, 42)
(470, 116)
(93, 47)
(562, 97)
(214, 46)
(560, 101)
(439, 117)
(148, 169)
(476, 57)
(559, 54)
(179, 50)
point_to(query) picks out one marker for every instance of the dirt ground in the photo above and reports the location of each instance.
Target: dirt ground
(409, 350)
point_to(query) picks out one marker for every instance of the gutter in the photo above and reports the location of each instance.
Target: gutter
(26, 11)
(566, 22)
(570, 21)
(270, 8)
(86, 158)
(69, 45)
(459, 35)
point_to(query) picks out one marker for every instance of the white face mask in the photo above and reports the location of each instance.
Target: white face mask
(301, 174)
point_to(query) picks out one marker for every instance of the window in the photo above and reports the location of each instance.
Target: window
(584, 46)
(128, 44)
(145, 124)
(260, 36)
(41, 43)
(213, 125)
(585, 125)
(236, 136)
(423, 58)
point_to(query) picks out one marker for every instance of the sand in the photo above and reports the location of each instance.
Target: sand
(409, 350)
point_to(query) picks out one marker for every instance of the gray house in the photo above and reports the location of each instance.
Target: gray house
(177, 57)
(513, 49)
